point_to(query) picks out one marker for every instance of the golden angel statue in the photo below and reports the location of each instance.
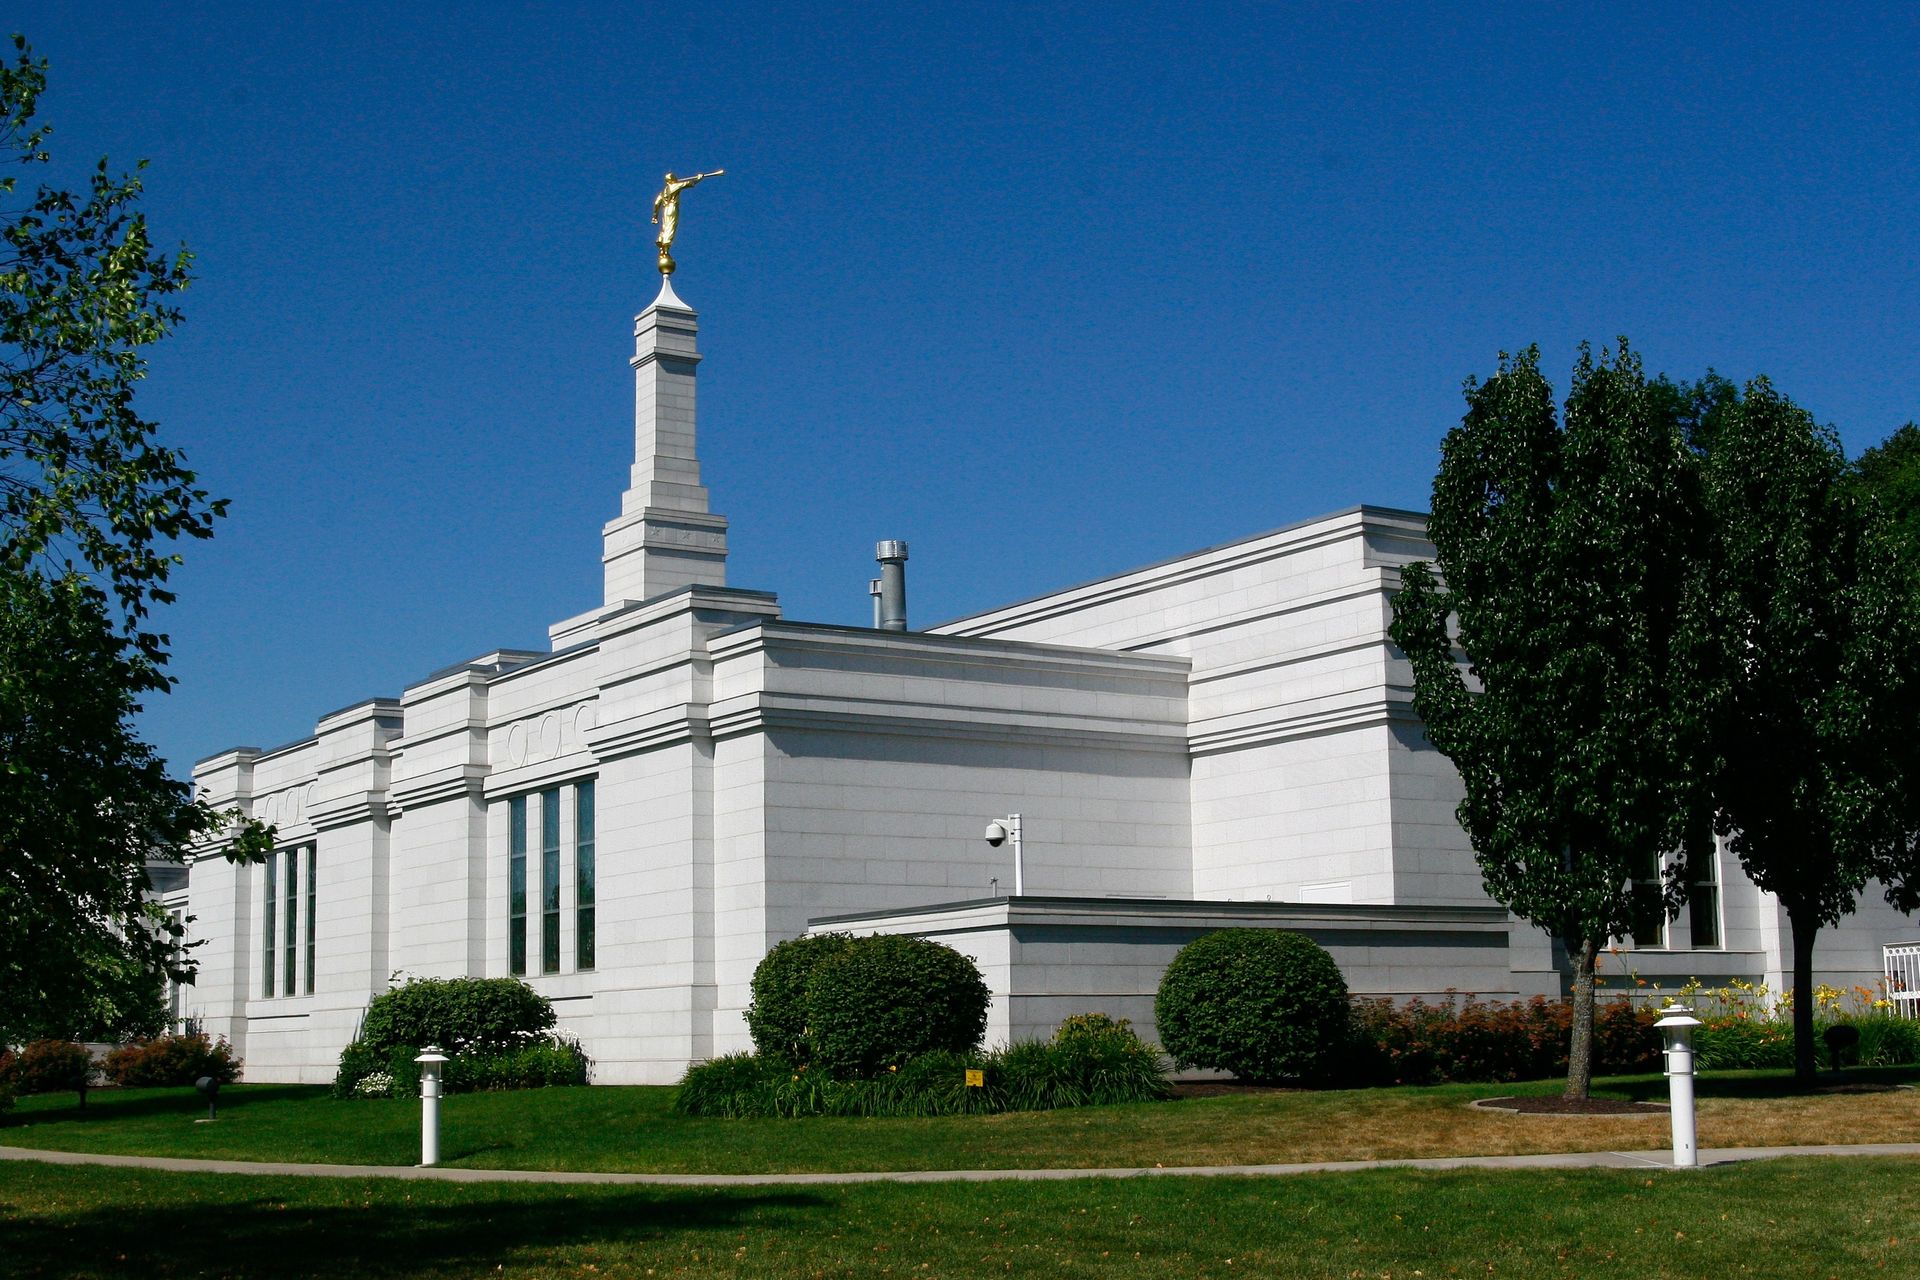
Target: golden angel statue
(666, 213)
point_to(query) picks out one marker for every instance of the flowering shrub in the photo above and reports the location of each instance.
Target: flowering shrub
(377, 1084)
(51, 1066)
(367, 1072)
(1468, 1039)
(1746, 1025)
(172, 1060)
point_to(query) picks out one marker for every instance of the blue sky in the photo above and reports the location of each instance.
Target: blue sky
(1047, 291)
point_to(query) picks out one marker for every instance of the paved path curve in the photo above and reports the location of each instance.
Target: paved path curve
(1560, 1160)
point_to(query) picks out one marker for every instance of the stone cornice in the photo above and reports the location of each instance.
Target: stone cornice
(1238, 733)
(466, 780)
(348, 810)
(758, 713)
(1210, 562)
(668, 727)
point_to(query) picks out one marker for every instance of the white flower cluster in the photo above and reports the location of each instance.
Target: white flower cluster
(377, 1085)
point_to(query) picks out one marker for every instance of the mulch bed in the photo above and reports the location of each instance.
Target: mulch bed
(1554, 1105)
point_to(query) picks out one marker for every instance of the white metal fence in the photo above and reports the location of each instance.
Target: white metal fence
(1903, 978)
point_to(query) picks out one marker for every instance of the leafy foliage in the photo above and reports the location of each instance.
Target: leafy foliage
(1433, 1042)
(172, 1060)
(51, 1066)
(1568, 548)
(550, 1062)
(1890, 471)
(879, 1001)
(1091, 1067)
(1816, 715)
(91, 504)
(491, 1015)
(83, 481)
(777, 1016)
(1265, 1004)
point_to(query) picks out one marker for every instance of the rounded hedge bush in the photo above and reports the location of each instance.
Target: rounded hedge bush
(882, 1000)
(1265, 1004)
(492, 1015)
(777, 1017)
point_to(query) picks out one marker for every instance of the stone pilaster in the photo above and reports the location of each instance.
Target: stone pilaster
(664, 538)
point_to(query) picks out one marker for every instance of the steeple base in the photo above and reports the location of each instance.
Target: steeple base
(653, 551)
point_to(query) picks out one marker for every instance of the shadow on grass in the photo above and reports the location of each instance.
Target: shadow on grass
(104, 1106)
(390, 1233)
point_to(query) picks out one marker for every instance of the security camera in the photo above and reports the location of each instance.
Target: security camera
(996, 833)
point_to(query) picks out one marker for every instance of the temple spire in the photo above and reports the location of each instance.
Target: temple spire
(664, 538)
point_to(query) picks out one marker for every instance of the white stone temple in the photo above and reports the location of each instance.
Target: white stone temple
(630, 819)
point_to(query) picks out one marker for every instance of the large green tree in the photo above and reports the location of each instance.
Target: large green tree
(1890, 471)
(1817, 712)
(92, 506)
(1565, 554)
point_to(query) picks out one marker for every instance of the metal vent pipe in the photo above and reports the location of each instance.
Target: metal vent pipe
(891, 606)
(873, 589)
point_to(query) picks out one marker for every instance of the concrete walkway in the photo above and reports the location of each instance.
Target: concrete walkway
(1563, 1160)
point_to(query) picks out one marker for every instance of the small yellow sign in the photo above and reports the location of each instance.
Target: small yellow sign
(976, 1078)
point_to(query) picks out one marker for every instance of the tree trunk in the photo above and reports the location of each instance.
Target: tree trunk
(1804, 1063)
(1580, 1051)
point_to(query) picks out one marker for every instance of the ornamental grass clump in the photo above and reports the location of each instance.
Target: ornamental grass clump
(1264, 1004)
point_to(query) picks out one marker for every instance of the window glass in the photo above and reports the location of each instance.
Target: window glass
(292, 917)
(272, 899)
(583, 875)
(550, 881)
(1703, 900)
(312, 901)
(1649, 911)
(517, 885)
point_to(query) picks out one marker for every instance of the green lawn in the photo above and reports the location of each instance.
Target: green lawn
(633, 1129)
(1794, 1218)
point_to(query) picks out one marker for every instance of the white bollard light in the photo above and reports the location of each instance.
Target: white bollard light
(430, 1062)
(1676, 1030)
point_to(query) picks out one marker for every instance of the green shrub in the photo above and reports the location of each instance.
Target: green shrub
(51, 1066)
(172, 1060)
(880, 1001)
(1103, 1063)
(1738, 1042)
(1110, 1066)
(1887, 1041)
(548, 1064)
(490, 1015)
(734, 1085)
(368, 1072)
(777, 1016)
(1265, 1004)
(358, 1061)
